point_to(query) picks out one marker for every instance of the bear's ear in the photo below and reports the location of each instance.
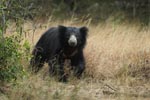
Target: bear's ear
(84, 31)
(62, 29)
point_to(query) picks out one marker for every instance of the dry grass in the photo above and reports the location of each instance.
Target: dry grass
(113, 47)
(117, 63)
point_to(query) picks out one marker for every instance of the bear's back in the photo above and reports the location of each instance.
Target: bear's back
(49, 41)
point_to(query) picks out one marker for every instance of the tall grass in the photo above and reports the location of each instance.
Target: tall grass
(110, 47)
(116, 54)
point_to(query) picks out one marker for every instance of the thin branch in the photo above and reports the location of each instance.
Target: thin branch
(3, 23)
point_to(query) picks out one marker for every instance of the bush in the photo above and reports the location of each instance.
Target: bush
(11, 55)
(12, 51)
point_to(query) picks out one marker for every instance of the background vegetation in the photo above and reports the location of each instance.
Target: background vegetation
(117, 53)
(98, 10)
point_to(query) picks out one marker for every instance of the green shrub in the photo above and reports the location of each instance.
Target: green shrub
(11, 55)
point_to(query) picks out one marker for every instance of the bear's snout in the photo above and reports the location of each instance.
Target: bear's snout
(72, 41)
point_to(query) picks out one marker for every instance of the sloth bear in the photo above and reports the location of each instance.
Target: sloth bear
(60, 43)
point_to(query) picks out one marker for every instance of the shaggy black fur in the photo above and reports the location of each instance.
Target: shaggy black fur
(54, 44)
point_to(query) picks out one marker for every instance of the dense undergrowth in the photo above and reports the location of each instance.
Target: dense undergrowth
(12, 52)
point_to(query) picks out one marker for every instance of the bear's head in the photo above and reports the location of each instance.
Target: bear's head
(73, 36)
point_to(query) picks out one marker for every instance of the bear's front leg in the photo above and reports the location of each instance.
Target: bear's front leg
(62, 76)
(78, 64)
(78, 69)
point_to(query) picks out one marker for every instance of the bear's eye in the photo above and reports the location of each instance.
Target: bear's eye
(78, 37)
(67, 37)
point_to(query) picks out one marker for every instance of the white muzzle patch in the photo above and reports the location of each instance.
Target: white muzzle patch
(72, 41)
